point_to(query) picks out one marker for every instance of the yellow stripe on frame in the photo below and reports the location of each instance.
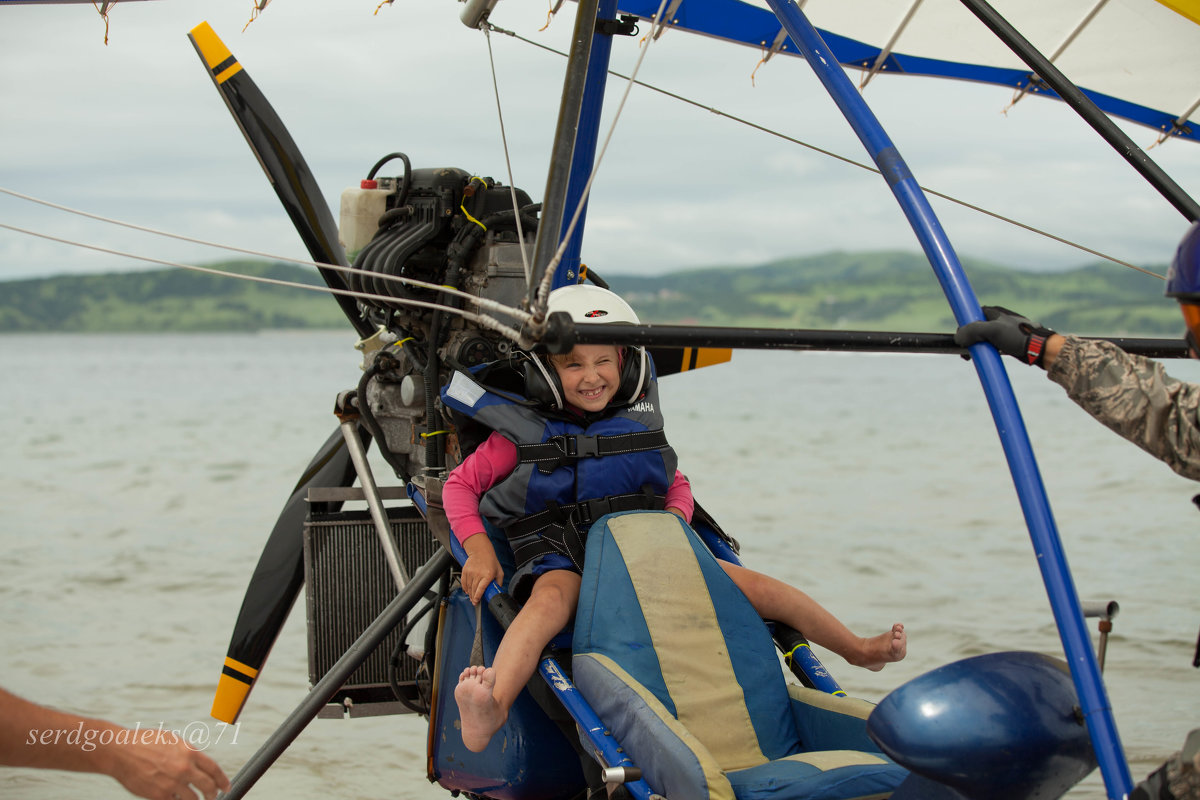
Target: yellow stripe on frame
(232, 691)
(230, 697)
(697, 357)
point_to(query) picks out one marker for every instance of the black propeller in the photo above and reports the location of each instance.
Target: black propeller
(277, 580)
(281, 160)
(280, 572)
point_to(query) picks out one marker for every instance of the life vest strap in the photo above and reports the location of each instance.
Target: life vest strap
(563, 529)
(550, 454)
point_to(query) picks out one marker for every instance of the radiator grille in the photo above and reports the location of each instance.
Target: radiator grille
(347, 585)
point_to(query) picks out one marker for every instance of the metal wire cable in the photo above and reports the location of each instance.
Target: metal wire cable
(482, 302)
(543, 291)
(490, 305)
(512, 184)
(846, 160)
(479, 319)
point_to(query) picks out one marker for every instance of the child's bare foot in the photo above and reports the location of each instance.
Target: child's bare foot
(480, 714)
(878, 651)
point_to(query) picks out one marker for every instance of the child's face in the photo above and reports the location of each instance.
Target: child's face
(590, 375)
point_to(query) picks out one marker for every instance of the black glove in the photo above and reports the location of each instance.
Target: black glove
(1011, 334)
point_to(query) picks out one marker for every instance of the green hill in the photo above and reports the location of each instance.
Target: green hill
(168, 300)
(899, 291)
(865, 291)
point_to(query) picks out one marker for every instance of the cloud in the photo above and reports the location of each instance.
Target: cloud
(136, 131)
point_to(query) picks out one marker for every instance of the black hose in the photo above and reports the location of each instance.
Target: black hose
(405, 626)
(403, 198)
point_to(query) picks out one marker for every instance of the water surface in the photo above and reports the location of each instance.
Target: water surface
(142, 475)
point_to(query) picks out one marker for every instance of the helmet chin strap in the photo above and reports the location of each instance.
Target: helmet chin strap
(641, 381)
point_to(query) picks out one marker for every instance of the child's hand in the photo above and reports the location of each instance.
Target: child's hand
(481, 568)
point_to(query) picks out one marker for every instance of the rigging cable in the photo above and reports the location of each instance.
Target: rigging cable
(512, 185)
(481, 302)
(480, 319)
(543, 291)
(844, 159)
(674, 96)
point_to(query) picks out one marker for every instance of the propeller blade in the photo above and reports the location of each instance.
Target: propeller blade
(280, 158)
(276, 580)
(670, 360)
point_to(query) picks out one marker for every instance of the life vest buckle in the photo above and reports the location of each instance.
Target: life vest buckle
(584, 447)
(575, 446)
(592, 510)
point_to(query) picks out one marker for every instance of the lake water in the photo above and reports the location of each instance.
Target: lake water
(143, 473)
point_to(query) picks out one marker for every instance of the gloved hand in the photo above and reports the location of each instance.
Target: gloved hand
(1011, 334)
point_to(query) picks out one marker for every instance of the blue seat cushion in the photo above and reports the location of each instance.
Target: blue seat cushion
(655, 601)
(821, 775)
(680, 667)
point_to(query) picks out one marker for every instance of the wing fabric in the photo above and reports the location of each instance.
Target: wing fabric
(1135, 59)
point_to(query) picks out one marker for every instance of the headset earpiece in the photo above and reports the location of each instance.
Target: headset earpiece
(635, 372)
(541, 383)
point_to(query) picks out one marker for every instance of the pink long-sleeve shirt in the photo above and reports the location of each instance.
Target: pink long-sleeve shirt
(491, 463)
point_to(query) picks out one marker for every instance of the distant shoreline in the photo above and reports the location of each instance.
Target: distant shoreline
(875, 291)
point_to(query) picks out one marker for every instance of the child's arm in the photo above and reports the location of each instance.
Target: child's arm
(679, 497)
(491, 462)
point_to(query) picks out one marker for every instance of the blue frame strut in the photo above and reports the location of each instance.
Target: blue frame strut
(1047, 545)
(583, 155)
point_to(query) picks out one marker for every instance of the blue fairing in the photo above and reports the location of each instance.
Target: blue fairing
(996, 727)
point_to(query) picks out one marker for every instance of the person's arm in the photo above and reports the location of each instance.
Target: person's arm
(1130, 394)
(149, 763)
(1134, 397)
(679, 497)
(1054, 345)
(491, 462)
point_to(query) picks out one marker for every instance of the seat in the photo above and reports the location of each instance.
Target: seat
(681, 669)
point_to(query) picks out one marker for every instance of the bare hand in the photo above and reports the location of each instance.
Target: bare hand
(481, 568)
(167, 770)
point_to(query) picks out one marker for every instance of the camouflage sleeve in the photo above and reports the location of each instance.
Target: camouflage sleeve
(1134, 397)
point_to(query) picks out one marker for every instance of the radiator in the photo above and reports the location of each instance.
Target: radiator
(347, 585)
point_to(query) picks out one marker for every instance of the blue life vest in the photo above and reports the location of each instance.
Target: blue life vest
(572, 470)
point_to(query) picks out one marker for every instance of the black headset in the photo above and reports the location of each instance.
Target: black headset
(542, 383)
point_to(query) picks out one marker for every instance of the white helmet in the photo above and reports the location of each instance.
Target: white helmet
(586, 303)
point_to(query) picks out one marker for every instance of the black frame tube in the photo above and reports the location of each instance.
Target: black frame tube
(325, 688)
(794, 339)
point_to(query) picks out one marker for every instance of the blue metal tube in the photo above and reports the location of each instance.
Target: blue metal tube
(1046, 543)
(595, 730)
(584, 153)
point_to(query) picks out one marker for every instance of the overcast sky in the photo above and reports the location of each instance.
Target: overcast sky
(136, 130)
